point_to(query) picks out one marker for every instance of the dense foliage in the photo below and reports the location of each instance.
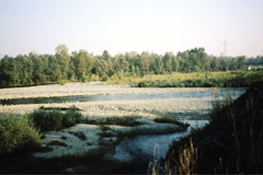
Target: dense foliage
(84, 66)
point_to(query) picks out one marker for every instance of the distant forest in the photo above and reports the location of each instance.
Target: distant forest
(83, 66)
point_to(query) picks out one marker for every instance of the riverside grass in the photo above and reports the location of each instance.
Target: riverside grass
(231, 144)
(196, 79)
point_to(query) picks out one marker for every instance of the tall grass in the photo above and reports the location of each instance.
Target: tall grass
(197, 79)
(232, 143)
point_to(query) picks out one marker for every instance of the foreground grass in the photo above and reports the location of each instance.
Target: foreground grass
(231, 144)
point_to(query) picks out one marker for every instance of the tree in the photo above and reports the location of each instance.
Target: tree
(38, 75)
(63, 59)
(242, 59)
(106, 55)
(145, 61)
(82, 63)
(8, 70)
(167, 61)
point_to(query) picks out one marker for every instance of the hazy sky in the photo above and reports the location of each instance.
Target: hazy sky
(131, 25)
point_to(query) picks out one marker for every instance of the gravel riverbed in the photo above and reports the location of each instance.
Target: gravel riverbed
(146, 110)
(177, 107)
(76, 89)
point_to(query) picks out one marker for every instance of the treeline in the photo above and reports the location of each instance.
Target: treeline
(84, 66)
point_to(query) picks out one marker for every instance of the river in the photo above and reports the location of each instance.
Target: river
(221, 92)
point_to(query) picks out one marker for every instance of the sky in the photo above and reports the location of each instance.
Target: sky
(120, 26)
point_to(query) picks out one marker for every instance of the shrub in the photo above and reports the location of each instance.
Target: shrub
(181, 84)
(144, 84)
(105, 78)
(16, 134)
(47, 121)
(176, 84)
(55, 120)
(62, 82)
(209, 84)
(72, 117)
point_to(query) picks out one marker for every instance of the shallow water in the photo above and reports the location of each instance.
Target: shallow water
(142, 146)
(221, 92)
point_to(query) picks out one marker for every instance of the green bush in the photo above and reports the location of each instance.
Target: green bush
(181, 84)
(47, 121)
(55, 120)
(144, 84)
(176, 84)
(209, 84)
(72, 117)
(17, 134)
(62, 82)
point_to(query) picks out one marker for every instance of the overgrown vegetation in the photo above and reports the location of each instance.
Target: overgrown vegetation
(55, 120)
(231, 144)
(17, 134)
